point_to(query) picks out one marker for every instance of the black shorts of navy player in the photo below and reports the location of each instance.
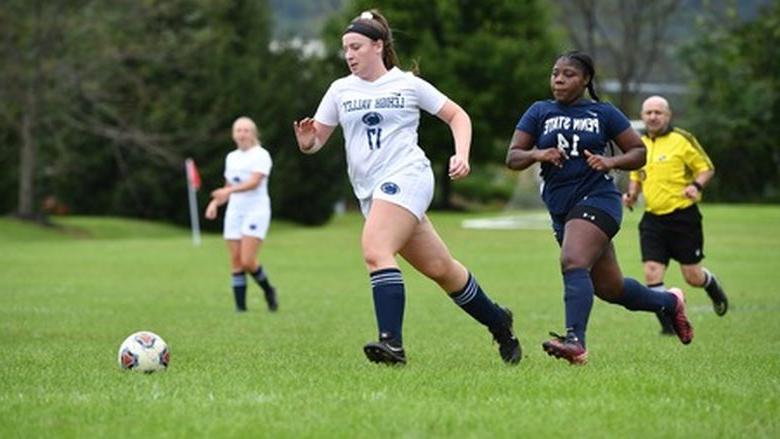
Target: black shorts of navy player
(568, 135)
(378, 108)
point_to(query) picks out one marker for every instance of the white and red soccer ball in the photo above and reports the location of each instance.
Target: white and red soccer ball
(144, 351)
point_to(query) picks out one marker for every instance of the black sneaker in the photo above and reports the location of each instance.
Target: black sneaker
(720, 303)
(666, 323)
(508, 345)
(386, 352)
(270, 299)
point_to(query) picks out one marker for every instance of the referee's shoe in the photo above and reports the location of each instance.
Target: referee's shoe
(720, 303)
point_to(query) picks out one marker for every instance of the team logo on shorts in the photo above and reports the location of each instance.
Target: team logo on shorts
(390, 188)
(372, 118)
(253, 227)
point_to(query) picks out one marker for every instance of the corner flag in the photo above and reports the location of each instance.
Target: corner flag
(193, 177)
(193, 184)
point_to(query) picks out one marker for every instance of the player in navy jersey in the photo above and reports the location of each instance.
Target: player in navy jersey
(569, 136)
(378, 108)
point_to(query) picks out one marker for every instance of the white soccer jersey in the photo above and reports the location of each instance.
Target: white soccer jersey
(239, 165)
(380, 121)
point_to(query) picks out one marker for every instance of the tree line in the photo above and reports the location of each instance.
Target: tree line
(102, 101)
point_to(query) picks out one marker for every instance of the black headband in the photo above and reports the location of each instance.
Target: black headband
(364, 29)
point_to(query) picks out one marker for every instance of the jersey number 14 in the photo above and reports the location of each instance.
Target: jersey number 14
(570, 149)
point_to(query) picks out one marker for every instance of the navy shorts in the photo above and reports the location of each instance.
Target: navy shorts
(603, 210)
(677, 235)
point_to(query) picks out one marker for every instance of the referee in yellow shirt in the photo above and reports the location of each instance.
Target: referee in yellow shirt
(673, 178)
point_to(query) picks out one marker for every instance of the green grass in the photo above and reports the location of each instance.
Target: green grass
(68, 299)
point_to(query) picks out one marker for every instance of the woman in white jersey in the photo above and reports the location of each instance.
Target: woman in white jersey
(249, 210)
(378, 107)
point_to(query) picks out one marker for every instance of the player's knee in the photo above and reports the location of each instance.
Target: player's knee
(376, 259)
(572, 262)
(248, 264)
(247, 268)
(694, 279)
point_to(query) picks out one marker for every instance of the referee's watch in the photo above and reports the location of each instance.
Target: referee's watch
(697, 185)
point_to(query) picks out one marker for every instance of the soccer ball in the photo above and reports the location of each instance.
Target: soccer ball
(144, 351)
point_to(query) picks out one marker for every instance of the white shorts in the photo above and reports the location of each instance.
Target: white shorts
(253, 223)
(411, 188)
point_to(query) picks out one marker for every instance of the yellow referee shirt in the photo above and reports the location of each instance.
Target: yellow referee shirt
(673, 161)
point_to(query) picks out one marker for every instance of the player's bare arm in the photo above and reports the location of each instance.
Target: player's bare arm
(460, 125)
(630, 197)
(522, 154)
(634, 152)
(224, 192)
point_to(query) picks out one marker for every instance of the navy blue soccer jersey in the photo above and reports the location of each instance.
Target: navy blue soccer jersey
(584, 125)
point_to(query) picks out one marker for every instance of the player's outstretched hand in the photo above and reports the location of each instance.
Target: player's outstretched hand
(598, 162)
(305, 133)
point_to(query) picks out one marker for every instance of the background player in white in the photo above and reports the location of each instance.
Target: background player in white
(378, 107)
(249, 210)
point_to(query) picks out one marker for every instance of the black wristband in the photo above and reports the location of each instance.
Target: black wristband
(697, 185)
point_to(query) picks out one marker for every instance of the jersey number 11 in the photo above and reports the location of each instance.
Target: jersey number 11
(374, 138)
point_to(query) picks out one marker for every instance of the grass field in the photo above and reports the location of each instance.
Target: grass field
(67, 300)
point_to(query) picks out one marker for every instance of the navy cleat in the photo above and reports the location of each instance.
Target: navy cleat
(270, 299)
(569, 348)
(385, 351)
(508, 345)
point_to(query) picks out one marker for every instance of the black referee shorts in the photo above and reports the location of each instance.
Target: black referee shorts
(676, 235)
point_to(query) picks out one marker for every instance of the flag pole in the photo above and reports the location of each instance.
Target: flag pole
(189, 168)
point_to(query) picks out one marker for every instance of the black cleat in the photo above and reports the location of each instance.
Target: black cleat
(508, 345)
(385, 352)
(667, 328)
(720, 303)
(270, 299)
